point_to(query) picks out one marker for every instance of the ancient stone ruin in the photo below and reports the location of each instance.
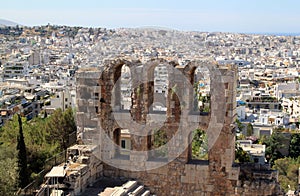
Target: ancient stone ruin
(102, 120)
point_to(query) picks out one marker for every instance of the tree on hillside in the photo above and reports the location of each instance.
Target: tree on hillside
(287, 172)
(294, 149)
(8, 176)
(273, 146)
(31, 143)
(23, 178)
(60, 126)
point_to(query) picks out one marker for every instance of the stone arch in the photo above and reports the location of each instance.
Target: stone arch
(142, 100)
(116, 74)
(190, 71)
(219, 177)
(121, 138)
(125, 82)
(148, 75)
(212, 126)
(173, 110)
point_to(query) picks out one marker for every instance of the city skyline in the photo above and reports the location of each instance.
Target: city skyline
(191, 15)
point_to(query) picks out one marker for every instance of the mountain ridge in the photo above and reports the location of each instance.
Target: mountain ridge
(7, 23)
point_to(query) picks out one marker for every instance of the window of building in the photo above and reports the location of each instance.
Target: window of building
(96, 96)
(123, 144)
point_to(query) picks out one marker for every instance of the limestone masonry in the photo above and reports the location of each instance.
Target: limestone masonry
(101, 119)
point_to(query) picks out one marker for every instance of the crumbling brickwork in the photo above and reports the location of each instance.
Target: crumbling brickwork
(99, 117)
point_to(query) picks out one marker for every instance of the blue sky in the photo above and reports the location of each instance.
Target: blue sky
(199, 15)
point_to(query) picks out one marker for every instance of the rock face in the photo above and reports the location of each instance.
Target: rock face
(100, 119)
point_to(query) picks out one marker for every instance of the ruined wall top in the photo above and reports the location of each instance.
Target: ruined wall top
(187, 64)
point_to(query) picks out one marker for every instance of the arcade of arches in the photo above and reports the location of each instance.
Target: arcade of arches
(114, 119)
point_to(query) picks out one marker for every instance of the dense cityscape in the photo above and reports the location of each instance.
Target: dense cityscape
(39, 66)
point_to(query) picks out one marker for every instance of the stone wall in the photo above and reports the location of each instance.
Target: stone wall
(99, 117)
(83, 168)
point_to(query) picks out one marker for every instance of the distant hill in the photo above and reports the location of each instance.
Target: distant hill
(155, 28)
(5, 23)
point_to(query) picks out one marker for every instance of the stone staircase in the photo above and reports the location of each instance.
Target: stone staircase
(130, 188)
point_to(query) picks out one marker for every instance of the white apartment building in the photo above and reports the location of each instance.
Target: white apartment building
(291, 107)
(256, 151)
(14, 70)
(241, 112)
(62, 99)
(286, 90)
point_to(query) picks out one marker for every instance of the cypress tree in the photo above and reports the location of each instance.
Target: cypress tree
(23, 178)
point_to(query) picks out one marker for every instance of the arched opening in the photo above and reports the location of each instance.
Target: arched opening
(121, 99)
(198, 147)
(201, 94)
(160, 78)
(125, 142)
(122, 141)
(157, 145)
(125, 88)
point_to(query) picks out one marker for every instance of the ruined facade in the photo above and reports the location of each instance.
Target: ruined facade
(100, 119)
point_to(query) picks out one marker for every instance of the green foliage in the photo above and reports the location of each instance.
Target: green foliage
(60, 125)
(262, 139)
(200, 145)
(8, 172)
(249, 129)
(43, 138)
(23, 179)
(8, 175)
(287, 166)
(241, 156)
(206, 108)
(239, 125)
(159, 142)
(288, 169)
(199, 97)
(240, 137)
(294, 149)
(268, 99)
(273, 145)
(174, 89)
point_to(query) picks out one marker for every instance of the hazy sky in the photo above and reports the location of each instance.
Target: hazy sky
(209, 15)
